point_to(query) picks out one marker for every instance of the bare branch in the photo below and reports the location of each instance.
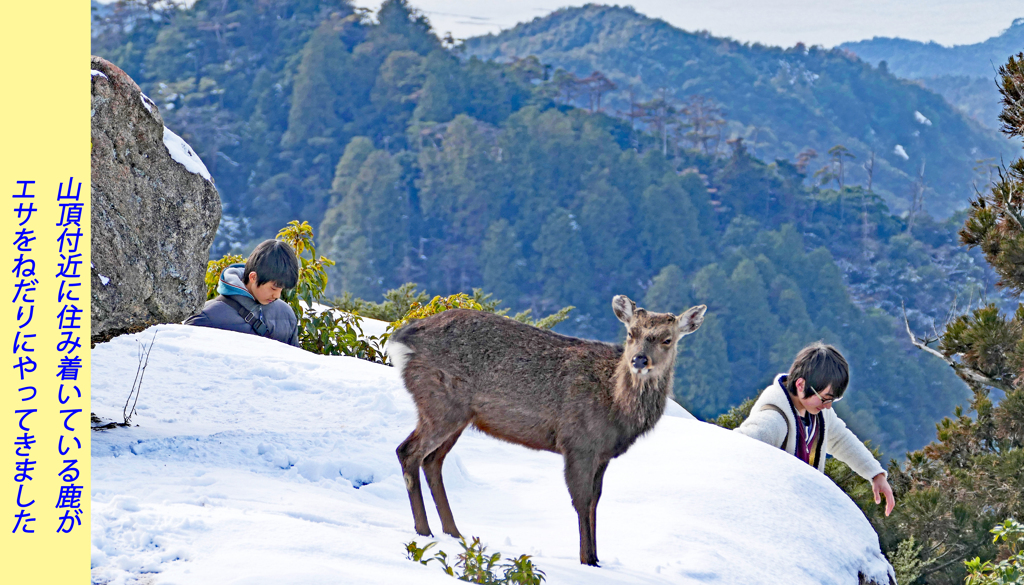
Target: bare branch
(968, 374)
(140, 373)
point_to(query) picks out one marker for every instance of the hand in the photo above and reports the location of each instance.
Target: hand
(880, 486)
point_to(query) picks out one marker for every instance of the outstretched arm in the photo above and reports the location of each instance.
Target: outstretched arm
(846, 447)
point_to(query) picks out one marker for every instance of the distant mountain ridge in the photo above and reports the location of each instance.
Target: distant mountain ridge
(781, 101)
(963, 74)
(914, 59)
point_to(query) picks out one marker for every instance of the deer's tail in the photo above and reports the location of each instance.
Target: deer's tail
(399, 353)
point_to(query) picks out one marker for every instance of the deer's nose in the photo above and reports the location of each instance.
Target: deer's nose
(640, 362)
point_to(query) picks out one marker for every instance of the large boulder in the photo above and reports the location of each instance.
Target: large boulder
(155, 211)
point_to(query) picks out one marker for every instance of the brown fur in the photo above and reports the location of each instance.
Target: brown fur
(583, 399)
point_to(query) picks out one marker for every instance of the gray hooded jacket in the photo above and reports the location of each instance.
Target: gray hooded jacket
(279, 317)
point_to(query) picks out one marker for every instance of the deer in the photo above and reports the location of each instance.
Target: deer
(586, 400)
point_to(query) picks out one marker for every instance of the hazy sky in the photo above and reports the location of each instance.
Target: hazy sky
(773, 22)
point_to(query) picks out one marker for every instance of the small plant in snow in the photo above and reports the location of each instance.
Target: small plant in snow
(474, 565)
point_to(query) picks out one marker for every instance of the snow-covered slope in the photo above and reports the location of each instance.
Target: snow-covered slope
(255, 462)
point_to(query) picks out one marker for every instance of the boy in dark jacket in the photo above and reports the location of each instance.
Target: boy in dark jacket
(250, 295)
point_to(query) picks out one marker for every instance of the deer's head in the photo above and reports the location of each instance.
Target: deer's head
(651, 338)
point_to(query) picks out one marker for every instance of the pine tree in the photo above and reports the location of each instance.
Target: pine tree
(406, 28)
(453, 177)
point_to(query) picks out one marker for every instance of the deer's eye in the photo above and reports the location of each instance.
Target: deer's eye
(667, 341)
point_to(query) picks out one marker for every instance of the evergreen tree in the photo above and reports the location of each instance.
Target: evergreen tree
(668, 292)
(453, 178)
(320, 99)
(668, 226)
(703, 376)
(564, 266)
(744, 175)
(434, 103)
(395, 92)
(751, 328)
(607, 219)
(369, 229)
(503, 264)
(405, 28)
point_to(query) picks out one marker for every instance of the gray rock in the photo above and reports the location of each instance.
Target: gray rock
(153, 220)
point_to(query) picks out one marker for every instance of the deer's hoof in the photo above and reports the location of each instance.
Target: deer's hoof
(454, 532)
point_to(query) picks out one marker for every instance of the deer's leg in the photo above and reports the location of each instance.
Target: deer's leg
(432, 468)
(580, 471)
(598, 484)
(410, 458)
(442, 416)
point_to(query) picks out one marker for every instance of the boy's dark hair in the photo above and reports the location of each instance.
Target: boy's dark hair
(273, 261)
(820, 366)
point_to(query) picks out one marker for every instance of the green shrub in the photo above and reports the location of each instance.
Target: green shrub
(438, 305)
(336, 333)
(547, 322)
(736, 415)
(333, 335)
(1009, 571)
(474, 565)
(324, 331)
(213, 270)
(397, 302)
(906, 561)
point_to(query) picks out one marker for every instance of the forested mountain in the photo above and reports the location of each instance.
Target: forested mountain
(781, 101)
(964, 74)
(417, 162)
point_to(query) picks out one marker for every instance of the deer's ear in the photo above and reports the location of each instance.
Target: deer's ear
(691, 320)
(623, 308)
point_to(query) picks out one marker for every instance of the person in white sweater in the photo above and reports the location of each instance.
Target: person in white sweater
(795, 414)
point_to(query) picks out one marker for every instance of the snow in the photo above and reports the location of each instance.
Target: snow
(921, 119)
(250, 461)
(104, 280)
(100, 73)
(149, 105)
(182, 153)
(900, 152)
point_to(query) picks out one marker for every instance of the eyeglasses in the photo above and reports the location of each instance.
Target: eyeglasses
(822, 398)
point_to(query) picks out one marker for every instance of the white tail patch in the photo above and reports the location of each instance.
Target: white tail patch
(399, 354)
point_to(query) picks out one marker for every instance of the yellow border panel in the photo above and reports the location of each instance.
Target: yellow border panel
(44, 161)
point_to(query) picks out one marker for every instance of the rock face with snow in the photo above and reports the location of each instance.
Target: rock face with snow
(155, 211)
